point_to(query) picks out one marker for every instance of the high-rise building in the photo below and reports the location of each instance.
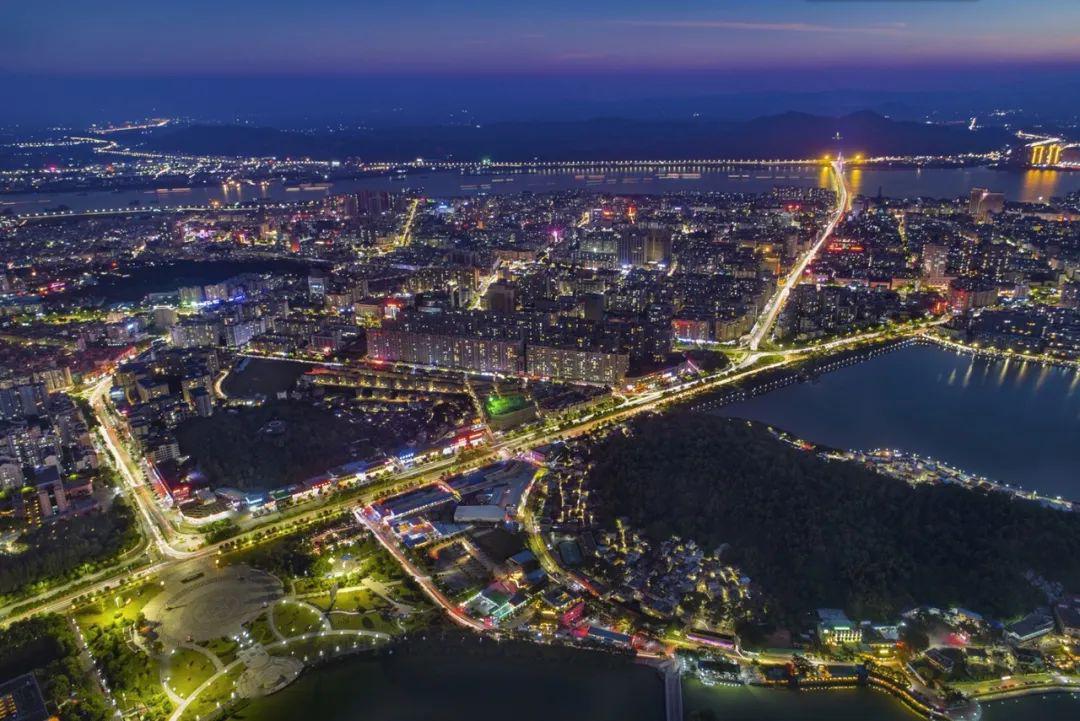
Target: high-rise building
(191, 295)
(577, 364)
(25, 400)
(368, 203)
(317, 284)
(196, 332)
(52, 500)
(593, 306)
(1070, 295)
(203, 402)
(11, 473)
(641, 246)
(631, 248)
(658, 246)
(165, 317)
(935, 260)
(983, 203)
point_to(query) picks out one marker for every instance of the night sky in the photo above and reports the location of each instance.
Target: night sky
(438, 61)
(284, 37)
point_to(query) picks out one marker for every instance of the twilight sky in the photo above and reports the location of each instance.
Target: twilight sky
(554, 37)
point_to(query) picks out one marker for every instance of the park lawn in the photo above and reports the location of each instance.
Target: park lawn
(418, 620)
(358, 600)
(218, 692)
(304, 586)
(370, 621)
(223, 648)
(186, 670)
(295, 619)
(106, 612)
(352, 622)
(406, 595)
(260, 630)
(322, 601)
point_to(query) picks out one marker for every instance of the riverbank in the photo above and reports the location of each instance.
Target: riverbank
(1000, 354)
(756, 703)
(1024, 692)
(621, 177)
(860, 703)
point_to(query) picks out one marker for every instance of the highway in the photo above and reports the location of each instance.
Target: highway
(153, 518)
(772, 309)
(407, 228)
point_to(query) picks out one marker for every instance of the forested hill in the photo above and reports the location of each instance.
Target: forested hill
(789, 135)
(814, 533)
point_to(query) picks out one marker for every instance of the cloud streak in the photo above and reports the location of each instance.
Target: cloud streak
(890, 29)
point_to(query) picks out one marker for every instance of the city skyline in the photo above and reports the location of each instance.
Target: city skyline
(590, 361)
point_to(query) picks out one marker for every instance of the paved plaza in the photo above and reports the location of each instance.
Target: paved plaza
(210, 604)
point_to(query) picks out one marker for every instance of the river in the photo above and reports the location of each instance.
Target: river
(859, 704)
(1009, 421)
(1030, 186)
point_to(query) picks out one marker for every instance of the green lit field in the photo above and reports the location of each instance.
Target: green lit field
(295, 619)
(224, 648)
(502, 405)
(123, 606)
(210, 700)
(359, 600)
(186, 670)
(260, 630)
(371, 621)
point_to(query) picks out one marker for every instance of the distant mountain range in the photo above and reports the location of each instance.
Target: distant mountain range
(788, 135)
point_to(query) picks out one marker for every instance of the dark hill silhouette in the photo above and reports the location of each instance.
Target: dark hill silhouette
(814, 532)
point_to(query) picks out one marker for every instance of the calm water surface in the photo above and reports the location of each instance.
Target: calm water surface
(1012, 422)
(420, 688)
(1029, 186)
(425, 686)
(759, 704)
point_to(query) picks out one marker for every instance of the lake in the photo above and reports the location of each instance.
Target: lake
(470, 680)
(1010, 421)
(1031, 186)
(420, 684)
(858, 704)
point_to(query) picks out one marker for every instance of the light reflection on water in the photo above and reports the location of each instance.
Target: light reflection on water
(1007, 421)
(1040, 185)
(1028, 186)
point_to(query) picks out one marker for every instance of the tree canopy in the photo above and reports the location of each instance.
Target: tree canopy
(268, 446)
(814, 532)
(46, 646)
(58, 549)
